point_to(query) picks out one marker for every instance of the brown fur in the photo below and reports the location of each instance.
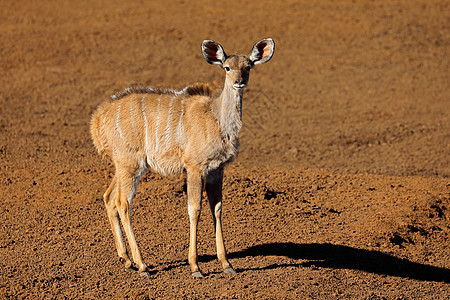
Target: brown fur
(201, 89)
(170, 131)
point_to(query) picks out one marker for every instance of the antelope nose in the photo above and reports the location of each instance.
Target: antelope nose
(239, 84)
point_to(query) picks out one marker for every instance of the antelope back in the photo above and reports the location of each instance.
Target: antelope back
(151, 125)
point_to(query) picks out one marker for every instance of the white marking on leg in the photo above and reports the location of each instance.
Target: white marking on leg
(218, 209)
(191, 212)
(142, 170)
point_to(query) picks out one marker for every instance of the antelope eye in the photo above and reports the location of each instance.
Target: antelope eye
(226, 69)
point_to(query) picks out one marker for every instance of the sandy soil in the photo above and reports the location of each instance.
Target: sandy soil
(341, 188)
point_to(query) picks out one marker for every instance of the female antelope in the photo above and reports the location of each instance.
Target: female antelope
(171, 131)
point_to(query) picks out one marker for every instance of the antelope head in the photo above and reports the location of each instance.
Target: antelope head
(238, 66)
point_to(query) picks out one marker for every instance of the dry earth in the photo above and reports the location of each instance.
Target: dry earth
(341, 188)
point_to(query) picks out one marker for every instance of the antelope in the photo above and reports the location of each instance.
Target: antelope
(169, 132)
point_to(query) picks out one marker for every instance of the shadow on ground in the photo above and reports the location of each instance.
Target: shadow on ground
(342, 257)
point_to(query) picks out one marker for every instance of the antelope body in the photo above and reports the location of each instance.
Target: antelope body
(170, 132)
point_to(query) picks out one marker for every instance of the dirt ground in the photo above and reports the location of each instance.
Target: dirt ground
(342, 185)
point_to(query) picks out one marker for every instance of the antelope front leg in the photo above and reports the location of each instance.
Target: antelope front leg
(194, 189)
(214, 192)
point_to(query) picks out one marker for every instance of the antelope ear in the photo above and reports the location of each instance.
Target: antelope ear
(213, 52)
(262, 51)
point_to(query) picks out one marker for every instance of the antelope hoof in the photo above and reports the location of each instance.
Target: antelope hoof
(128, 264)
(144, 273)
(197, 274)
(229, 270)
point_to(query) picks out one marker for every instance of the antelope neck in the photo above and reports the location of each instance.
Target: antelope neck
(228, 111)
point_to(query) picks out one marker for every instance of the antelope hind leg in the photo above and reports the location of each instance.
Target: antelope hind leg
(127, 184)
(113, 215)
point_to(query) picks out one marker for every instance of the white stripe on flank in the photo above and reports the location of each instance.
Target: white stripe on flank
(104, 118)
(180, 128)
(132, 116)
(145, 123)
(158, 119)
(118, 120)
(168, 131)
